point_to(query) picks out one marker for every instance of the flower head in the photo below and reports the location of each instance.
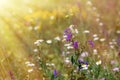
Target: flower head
(55, 73)
(91, 43)
(69, 36)
(75, 44)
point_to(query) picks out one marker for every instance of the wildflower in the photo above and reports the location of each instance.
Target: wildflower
(100, 24)
(71, 28)
(55, 73)
(76, 31)
(118, 41)
(49, 41)
(52, 64)
(67, 31)
(118, 31)
(86, 31)
(95, 35)
(75, 44)
(69, 47)
(38, 42)
(112, 62)
(67, 44)
(91, 43)
(30, 70)
(69, 36)
(35, 50)
(102, 39)
(31, 64)
(67, 60)
(27, 62)
(116, 69)
(83, 65)
(84, 54)
(98, 62)
(57, 38)
(95, 51)
(96, 38)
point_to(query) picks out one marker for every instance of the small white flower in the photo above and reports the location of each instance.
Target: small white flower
(116, 69)
(100, 24)
(67, 44)
(112, 62)
(31, 64)
(96, 38)
(95, 35)
(86, 31)
(84, 54)
(49, 41)
(40, 40)
(69, 47)
(27, 62)
(48, 64)
(98, 62)
(76, 31)
(52, 64)
(84, 67)
(95, 51)
(67, 60)
(35, 50)
(118, 31)
(102, 39)
(30, 70)
(57, 38)
(111, 46)
(110, 43)
(67, 52)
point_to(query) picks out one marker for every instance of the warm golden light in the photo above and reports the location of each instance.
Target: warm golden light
(3, 3)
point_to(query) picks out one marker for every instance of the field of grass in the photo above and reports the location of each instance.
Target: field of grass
(59, 40)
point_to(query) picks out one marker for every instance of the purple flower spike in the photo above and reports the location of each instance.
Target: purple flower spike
(118, 41)
(55, 73)
(69, 36)
(75, 44)
(91, 43)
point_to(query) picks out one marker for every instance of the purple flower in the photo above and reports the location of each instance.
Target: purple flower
(67, 31)
(91, 43)
(69, 36)
(75, 44)
(83, 62)
(118, 41)
(55, 73)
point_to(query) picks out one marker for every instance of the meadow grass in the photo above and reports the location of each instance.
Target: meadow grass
(60, 40)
